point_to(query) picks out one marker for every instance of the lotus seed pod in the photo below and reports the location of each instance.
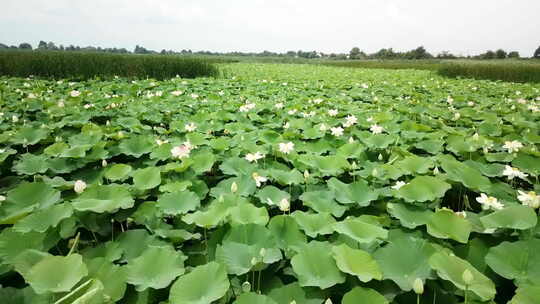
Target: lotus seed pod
(418, 286)
(234, 187)
(467, 277)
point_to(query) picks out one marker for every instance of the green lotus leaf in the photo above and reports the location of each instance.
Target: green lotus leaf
(358, 192)
(360, 230)
(409, 216)
(286, 232)
(415, 164)
(13, 243)
(272, 196)
(356, 262)
(129, 244)
(404, 258)
(527, 163)
(178, 186)
(422, 189)
(491, 170)
(246, 186)
(136, 146)
(464, 174)
(513, 217)
(330, 165)
(29, 136)
(378, 141)
(432, 146)
(237, 166)
(118, 172)
(48, 273)
(203, 162)
(363, 295)
(211, 217)
(203, 285)
(103, 270)
(450, 267)
(254, 298)
(103, 198)
(176, 203)
(314, 224)
(43, 219)
(89, 292)
(147, 178)
(314, 266)
(445, 224)
(322, 202)
(516, 261)
(25, 198)
(293, 292)
(528, 294)
(31, 164)
(283, 177)
(155, 268)
(246, 213)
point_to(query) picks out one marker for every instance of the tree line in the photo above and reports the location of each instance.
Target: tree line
(354, 54)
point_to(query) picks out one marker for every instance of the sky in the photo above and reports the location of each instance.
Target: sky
(465, 27)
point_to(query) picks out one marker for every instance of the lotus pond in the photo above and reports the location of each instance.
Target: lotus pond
(274, 184)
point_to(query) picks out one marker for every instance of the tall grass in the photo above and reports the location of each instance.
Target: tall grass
(512, 71)
(386, 64)
(79, 65)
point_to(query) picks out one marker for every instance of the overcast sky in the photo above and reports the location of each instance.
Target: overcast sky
(460, 26)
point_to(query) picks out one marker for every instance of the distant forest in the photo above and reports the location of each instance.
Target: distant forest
(355, 53)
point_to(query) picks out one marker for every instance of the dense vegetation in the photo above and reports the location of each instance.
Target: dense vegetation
(280, 184)
(85, 65)
(514, 71)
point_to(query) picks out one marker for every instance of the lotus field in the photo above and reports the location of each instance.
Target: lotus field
(275, 184)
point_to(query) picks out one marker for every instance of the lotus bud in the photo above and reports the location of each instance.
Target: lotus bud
(351, 140)
(2, 198)
(418, 286)
(328, 301)
(293, 302)
(354, 166)
(284, 205)
(306, 174)
(380, 157)
(254, 261)
(79, 186)
(104, 163)
(246, 286)
(234, 187)
(262, 252)
(436, 170)
(467, 277)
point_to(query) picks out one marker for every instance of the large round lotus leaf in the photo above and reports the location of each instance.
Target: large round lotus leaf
(360, 230)
(246, 186)
(211, 217)
(356, 262)
(48, 273)
(514, 217)
(314, 266)
(12, 243)
(516, 261)
(26, 197)
(155, 268)
(358, 192)
(527, 163)
(271, 195)
(29, 136)
(330, 165)
(253, 298)
(422, 189)
(445, 224)
(42, 219)
(246, 213)
(103, 198)
(130, 242)
(528, 294)
(286, 232)
(147, 178)
(378, 141)
(322, 201)
(203, 162)
(290, 177)
(404, 259)
(314, 224)
(136, 145)
(450, 267)
(176, 203)
(236, 257)
(293, 292)
(103, 270)
(491, 170)
(409, 216)
(251, 234)
(415, 164)
(460, 172)
(363, 295)
(237, 166)
(118, 172)
(89, 292)
(203, 285)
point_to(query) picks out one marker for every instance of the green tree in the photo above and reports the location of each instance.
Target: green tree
(513, 54)
(354, 53)
(500, 54)
(25, 46)
(537, 53)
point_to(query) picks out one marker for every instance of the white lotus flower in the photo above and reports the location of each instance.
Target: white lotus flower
(350, 120)
(333, 112)
(279, 105)
(337, 131)
(512, 172)
(75, 93)
(258, 179)
(79, 186)
(376, 129)
(351, 140)
(449, 100)
(177, 93)
(254, 157)
(190, 127)
(323, 128)
(475, 136)
(286, 125)
(317, 101)
(14, 118)
(2, 198)
(470, 103)
(284, 205)
(160, 142)
(512, 146)
(221, 93)
(194, 96)
(286, 147)
(462, 214)
(398, 185)
(292, 112)
(181, 151)
(530, 199)
(489, 202)
(457, 116)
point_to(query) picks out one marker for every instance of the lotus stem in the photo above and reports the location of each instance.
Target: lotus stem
(74, 245)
